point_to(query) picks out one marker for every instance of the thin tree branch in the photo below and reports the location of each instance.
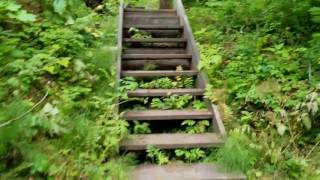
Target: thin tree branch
(25, 113)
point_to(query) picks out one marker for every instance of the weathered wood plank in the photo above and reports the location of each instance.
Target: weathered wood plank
(119, 57)
(159, 64)
(167, 115)
(159, 73)
(158, 33)
(164, 92)
(171, 141)
(156, 56)
(158, 27)
(151, 20)
(155, 51)
(155, 40)
(148, 10)
(187, 171)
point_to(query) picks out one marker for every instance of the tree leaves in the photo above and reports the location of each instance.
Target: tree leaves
(59, 6)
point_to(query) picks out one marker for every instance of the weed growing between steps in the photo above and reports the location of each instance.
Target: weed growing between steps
(130, 83)
(183, 126)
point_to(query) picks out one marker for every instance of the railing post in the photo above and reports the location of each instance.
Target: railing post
(165, 4)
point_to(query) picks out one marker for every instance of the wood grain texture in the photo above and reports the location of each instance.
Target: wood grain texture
(160, 64)
(183, 171)
(164, 92)
(171, 141)
(158, 73)
(158, 27)
(156, 56)
(151, 115)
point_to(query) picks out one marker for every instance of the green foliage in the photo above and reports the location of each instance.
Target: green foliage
(137, 34)
(195, 127)
(236, 154)
(67, 53)
(167, 83)
(157, 156)
(191, 155)
(262, 61)
(172, 102)
(141, 128)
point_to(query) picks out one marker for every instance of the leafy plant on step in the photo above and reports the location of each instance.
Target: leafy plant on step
(137, 34)
(141, 128)
(190, 155)
(156, 155)
(167, 83)
(195, 127)
(199, 105)
(172, 102)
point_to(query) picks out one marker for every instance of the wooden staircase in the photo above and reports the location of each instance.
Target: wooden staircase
(171, 44)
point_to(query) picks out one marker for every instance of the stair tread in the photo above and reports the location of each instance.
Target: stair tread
(155, 40)
(164, 92)
(148, 10)
(159, 73)
(178, 170)
(155, 27)
(153, 16)
(156, 56)
(167, 115)
(171, 141)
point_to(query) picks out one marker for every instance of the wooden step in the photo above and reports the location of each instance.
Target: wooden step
(151, 115)
(155, 40)
(184, 171)
(158, 27)
(164, 92)
(159, 64)
(158, 33)
(171, 141)
(148, 10)
(154, 51)
(151, 20)
(159, 73)
(156, 56)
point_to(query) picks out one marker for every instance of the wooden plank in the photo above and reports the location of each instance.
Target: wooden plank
(171, 141)
(159, 73)
(158, 27)
(159, 64)
(155, 40)
(119, 57)
(149, 10)
(151, 20)
(179, 171)
(158, 33)
(156, 56)
(154, 51)
(164, 92)
(167, 115)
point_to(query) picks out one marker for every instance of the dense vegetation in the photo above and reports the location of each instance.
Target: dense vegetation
(57, 92)
(262, 58)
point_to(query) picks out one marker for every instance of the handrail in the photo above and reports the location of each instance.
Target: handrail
(202, 79)
(118, 64)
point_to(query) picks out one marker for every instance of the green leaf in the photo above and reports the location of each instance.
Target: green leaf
(13, 6)
(24, 16)
(64, 62)
(59, 6)
(51, 69)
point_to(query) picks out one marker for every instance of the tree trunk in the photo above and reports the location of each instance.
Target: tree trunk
(165, 4)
